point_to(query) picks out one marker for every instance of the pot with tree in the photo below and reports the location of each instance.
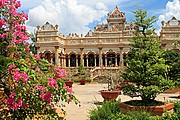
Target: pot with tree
(81, 72)
(112, 93)
(146, 68)
(68, 81)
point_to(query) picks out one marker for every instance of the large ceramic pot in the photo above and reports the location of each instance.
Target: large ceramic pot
(153, 110)
(69, 83)
(82, 82)
(110, 95)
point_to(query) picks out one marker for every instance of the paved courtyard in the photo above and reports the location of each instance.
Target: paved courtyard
(88, 95)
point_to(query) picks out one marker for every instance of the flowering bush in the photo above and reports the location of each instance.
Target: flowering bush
(32, 85)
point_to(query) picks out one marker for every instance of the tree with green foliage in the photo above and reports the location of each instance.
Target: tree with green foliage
(146, 68)
(172, 58)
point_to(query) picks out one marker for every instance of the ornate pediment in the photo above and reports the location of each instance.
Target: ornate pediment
(90, 34)
(116, 14)
(173, 22)
(48, 26)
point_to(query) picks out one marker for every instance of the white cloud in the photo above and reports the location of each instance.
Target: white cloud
(28, 4)
(71, 16)
(172, 9)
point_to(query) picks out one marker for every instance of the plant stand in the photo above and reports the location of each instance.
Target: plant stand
(110, 95)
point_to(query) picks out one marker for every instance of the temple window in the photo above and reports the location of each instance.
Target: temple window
(73, 60)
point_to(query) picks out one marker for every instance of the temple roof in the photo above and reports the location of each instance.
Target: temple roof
(116, 13)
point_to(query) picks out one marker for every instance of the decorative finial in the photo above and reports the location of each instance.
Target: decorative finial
(116, 7)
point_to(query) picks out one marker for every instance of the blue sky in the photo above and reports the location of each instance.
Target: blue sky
(79, 16)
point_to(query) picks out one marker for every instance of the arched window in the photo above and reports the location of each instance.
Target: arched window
(91, 60)
(111, 59)
(73, 60)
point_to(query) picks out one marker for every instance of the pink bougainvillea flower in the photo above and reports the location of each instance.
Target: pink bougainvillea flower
(61, 73)
(11, 67)
(46, 97)
(38, 69)
(52, 83)
(3, 3)
(18, 4)
(70, 100)
(19, 102)
(68, 89)
(17, 75)
(37, 57)
(3, 35)
(25, 77)
(52, 106)
(2, 22)
(12, 104)
(12, 95)
(27, 49)
(40, 87)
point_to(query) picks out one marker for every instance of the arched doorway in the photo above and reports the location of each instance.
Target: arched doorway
(91, 60)
(111, 60)
(72, 60)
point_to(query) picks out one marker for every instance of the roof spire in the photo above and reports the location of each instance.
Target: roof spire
(116, 7)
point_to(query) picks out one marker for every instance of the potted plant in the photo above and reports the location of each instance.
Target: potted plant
(146, 68)
(82, 74)
(112, 93)
(68, 81)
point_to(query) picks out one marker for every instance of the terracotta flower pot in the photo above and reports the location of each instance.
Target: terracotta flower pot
(69, 83)
(110, 95)
(82, 82)
(154, 110)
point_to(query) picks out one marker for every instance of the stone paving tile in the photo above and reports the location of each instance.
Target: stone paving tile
(88, 94)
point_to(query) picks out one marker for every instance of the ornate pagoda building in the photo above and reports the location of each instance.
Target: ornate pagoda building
(170, 33)
(106, 47)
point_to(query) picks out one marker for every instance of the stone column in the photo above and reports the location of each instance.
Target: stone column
(62, 61)
(64, 58)
(121, 63)
(76, 60)
(81, 49)
(105, 60)
(100, 56)
(87, 62)
(51, 58)
(57, 55)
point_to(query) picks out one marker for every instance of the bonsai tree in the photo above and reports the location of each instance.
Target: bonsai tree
(81, 69)
(146, 68)
(83, 73)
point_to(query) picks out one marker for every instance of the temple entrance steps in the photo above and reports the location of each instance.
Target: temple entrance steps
(100, 73)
